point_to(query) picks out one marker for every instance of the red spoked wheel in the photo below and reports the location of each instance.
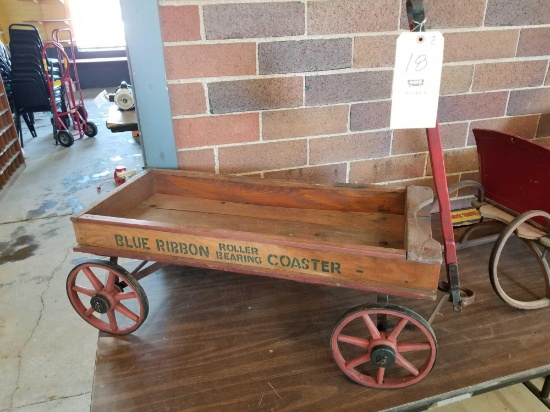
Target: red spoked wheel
(384, 346)
(125, 310)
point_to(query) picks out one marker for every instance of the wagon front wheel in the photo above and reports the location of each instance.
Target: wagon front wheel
(384, 346)
(94, 289)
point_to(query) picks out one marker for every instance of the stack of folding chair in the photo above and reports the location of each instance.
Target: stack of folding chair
(28, 79)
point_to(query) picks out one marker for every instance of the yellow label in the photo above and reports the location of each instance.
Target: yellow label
(465, 216)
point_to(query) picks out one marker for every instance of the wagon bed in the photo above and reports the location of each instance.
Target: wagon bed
(367, 238)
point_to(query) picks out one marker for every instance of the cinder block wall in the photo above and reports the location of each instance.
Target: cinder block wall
(301, 89)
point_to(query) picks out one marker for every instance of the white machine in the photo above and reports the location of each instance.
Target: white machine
(124, 97)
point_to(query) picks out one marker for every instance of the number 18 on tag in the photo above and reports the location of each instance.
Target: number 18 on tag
(416, 80)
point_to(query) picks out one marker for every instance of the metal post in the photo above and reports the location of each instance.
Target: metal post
(148, 74)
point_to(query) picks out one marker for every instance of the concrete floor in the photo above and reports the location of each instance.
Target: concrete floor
(47, 353)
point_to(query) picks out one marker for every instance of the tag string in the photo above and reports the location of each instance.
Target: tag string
(419, 25)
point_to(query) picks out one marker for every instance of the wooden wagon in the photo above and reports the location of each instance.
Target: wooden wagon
(368, 238)
(372, 239)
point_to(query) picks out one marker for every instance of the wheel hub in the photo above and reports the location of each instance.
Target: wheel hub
(100, 304)
(382, 356)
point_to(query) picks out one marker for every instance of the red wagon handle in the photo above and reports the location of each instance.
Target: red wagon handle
(417, 19)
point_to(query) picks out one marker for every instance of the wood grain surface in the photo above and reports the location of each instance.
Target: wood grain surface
(286, 229)
(345, 197)
(525, 230)
(337, 266)
(216, 341)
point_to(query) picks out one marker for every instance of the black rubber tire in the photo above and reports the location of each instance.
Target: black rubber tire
(66, 121)
(91, 129)
(83, 112)
(65, 138)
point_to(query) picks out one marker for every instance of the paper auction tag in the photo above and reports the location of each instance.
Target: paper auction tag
(101, 98)
(416, 80)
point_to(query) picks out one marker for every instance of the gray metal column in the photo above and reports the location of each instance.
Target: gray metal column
(146, 59)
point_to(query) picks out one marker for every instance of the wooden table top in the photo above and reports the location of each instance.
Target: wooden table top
(121, 120)
(221, 341)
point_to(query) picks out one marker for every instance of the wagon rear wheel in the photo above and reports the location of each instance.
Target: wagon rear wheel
(94, 289)
(384, 346)
(539, 252)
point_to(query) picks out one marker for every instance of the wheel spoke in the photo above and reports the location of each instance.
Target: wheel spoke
(375, 333)
(393, 338)
(358, 361)
(353, 340)
(397, 330)
(110, 282)
(380, 376)
(123, 296)
(96, 283)
(112, 320)
(405, 364)
(102, 325)
(89, 311)
(126, 312)
(85, 291)
(413, 346)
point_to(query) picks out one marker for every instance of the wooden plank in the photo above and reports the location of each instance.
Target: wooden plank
(236, 268)
(525, 230)
(300, 260)
(11, 180)
(9, 145)
(367, 221)
(224, 233)
(281, 193)
(300, 232)
(12, 161)
(124, 197)
(421, 247)
(305, 225)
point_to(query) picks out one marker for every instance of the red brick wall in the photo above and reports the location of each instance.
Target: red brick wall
(301, 89)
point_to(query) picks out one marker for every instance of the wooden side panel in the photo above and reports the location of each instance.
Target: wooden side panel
(421, 247)
(281, 193)
(125, 197)
(305, 264)
(514, 171)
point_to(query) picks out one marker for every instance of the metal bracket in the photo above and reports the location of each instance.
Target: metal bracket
(465, 296)
(141, 272)
(454, 284)
(544, 393)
